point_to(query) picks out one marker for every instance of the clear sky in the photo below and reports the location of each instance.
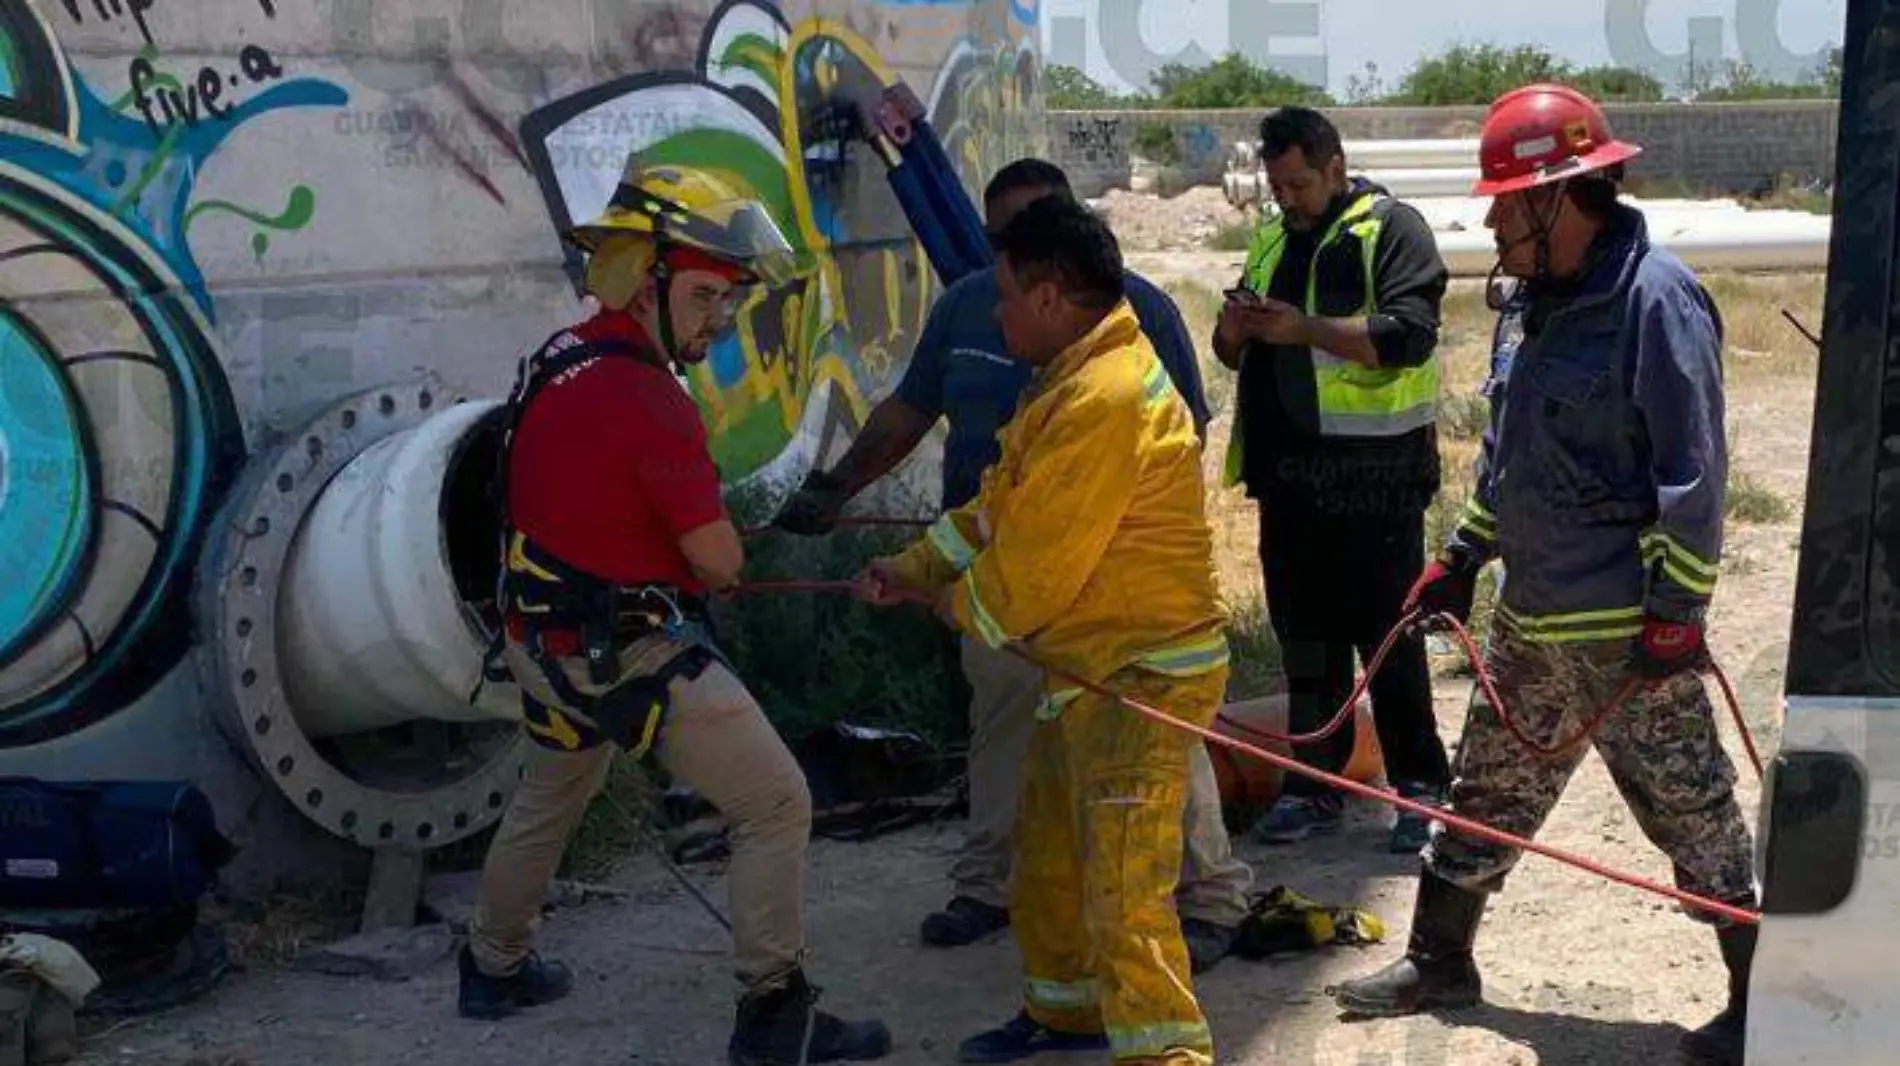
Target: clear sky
(1341, 36)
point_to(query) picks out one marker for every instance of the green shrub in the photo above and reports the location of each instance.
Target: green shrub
(812, 659)
(1751, 501)
(1155, 141)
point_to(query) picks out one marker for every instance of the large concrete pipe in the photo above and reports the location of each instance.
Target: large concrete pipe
(346, 608)
(1413, 182)
(1721, 245)
(1246, 188)
(1412, 154)
(375, 631)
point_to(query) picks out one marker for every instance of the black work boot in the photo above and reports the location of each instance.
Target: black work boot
(488, 998)
(782, 1026)
(964, 921)
(1437, 970)
(1719, 1043)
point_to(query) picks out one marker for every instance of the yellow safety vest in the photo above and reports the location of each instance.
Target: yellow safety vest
(1354, 400)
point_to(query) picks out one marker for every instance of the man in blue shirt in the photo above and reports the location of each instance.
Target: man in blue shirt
(961, 370)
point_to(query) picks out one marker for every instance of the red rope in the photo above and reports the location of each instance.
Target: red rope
(1464, 825)
(1346, 709)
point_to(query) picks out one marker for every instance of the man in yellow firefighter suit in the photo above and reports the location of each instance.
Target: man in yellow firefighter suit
(1089, 548)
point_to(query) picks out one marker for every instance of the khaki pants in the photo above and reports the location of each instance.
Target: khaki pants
(717, 742)
(1005, 690)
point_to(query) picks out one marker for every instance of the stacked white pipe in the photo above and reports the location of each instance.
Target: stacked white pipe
(1436, 176)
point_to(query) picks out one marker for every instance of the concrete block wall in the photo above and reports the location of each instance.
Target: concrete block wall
(1735, 147)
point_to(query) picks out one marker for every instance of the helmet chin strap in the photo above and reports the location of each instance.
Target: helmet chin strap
(1541, 229)
(663, 288)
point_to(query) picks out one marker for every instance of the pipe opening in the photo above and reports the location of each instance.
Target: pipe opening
(420, 494)
(469, 514)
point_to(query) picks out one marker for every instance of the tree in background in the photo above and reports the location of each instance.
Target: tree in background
(1233, 80)
(1616, 85)
(1733, 80)
(1465, 74)
(1068, 89)
(1478, 74)
(1365, 88)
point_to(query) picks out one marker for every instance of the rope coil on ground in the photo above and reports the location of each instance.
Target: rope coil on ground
(1463, 825)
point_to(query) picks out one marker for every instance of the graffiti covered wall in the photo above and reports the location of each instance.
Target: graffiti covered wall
(217, 217)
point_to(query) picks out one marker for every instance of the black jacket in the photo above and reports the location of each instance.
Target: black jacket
(1286, 463)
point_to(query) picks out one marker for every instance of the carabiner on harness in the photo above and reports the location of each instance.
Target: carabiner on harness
(673, 622)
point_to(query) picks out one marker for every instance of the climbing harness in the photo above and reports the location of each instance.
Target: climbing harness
(539, 596)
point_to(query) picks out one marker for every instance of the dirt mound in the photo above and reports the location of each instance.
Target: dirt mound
(1144, 222)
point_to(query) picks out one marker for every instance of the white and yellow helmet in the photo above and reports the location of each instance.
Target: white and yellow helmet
(683, 206)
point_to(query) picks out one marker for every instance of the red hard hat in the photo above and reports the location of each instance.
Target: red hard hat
(1543, 133)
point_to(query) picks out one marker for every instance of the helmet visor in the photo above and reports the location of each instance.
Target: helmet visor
(739, 230)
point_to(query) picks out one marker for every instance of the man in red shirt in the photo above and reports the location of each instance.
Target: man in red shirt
(615, 532)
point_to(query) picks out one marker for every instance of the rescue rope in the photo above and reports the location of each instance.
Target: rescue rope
(1464, 825)
(1347, 710)
(1590, 727)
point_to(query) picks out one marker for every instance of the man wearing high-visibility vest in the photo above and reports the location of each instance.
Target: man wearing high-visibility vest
(1334, 331)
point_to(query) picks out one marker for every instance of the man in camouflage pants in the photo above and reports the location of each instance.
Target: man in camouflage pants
(1600, 486)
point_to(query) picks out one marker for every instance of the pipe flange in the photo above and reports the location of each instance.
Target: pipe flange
(238, 605)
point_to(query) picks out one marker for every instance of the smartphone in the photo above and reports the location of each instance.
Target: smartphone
(1245, 296)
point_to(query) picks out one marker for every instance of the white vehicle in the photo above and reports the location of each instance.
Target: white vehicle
(1826, 983)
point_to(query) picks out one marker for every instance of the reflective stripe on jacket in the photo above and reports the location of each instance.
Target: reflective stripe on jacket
(1089, 541)
(1354, 400)
(1602, 476)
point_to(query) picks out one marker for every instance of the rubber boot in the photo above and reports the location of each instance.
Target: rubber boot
(782, 1026)
(1437, 970)
(488, 998)
(1719, 1043)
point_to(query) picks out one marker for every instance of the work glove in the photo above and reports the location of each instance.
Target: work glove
(1666, 649)
(814, 508)
(1444, 587)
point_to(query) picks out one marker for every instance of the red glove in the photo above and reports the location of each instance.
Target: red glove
(1442, 589)
(1666, 649)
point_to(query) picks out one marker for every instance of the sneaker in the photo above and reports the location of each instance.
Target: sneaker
(1294, 818)
(963, 921)
(489, 998)
(1207, 943)
(1411, 832)
(1024, 1037)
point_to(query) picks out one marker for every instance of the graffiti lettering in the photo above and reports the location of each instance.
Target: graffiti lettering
(107, 10)
(1093, 135)
(255, 62)
(190, 104)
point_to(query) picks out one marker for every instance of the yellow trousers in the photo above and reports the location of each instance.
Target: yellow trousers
(1098, 857)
